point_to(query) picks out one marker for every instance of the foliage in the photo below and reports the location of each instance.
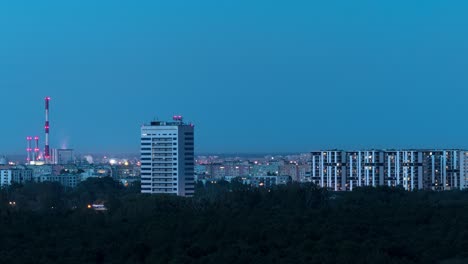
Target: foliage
(231, 223)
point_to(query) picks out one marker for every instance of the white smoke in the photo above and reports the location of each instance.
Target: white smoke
(89, 159)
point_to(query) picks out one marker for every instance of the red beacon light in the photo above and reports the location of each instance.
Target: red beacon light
(177, 118)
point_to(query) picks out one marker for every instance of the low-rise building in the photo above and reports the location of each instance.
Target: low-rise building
(21, 175)
(67, 180)
(270, 181)
(5, 178)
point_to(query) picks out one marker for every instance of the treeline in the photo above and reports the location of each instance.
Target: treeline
(231, 223)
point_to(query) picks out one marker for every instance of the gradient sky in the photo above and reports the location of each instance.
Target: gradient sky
(254, 76)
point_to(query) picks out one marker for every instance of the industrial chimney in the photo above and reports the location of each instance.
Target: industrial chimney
(47, 148)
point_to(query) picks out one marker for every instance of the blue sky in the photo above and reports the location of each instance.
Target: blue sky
(254, 76)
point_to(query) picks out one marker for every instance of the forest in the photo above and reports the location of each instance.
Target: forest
(231, 223)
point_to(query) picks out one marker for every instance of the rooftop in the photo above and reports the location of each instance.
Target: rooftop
(177, 120)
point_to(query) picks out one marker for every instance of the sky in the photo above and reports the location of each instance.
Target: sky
(253, 76)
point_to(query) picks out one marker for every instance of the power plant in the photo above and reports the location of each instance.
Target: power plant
(34, 156)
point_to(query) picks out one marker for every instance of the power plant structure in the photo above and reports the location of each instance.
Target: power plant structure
(47, 130)
(29, 149)
(49, 155)
(34, 155)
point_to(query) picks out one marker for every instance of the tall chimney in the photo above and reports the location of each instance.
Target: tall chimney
(36, 148)
(29, 149)
(47, 148)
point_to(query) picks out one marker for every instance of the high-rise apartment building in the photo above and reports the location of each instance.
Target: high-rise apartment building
(437, 170)
(167, 158)
(404, 168)
(365, 168)
(463, 170)
(329, 169)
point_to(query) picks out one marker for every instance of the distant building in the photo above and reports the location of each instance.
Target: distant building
(17, 174)
(269, 168)
(200, 169)
(291, 169)
(167, 158)
(21, 175)
(304, 172)
(464, 170)
(62, 156)
(270, 181)
(410, 169)
(67, 180)
(39, 171)
(5, 178)
(120, 172)
(88, 173)
(329, 169)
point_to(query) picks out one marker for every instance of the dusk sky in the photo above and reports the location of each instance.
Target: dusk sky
(254, 76)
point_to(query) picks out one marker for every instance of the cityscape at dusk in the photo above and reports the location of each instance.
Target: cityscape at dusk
(221, 131)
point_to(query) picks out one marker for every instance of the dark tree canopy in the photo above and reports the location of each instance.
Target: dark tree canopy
(231, 223)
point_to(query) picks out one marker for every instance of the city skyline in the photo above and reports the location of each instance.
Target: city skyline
(234, 131)
(263, 77)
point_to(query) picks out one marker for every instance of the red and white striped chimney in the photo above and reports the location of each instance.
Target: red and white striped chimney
(36, 148)
(29, 149)
(47, 148)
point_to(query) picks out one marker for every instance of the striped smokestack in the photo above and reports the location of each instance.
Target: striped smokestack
(47, 148)
(36, 149)
(29, 149)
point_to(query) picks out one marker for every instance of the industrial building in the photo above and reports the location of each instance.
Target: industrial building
(167, 158)
(62, 156)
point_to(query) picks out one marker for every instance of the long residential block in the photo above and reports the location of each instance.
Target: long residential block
(439, 170)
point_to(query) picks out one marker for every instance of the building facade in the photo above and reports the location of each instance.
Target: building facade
(5, 178)
(270, 181)
(67, 180)
(329, 169)
(62, 156)
(167, 158)
(21, 175)
(436, 170)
